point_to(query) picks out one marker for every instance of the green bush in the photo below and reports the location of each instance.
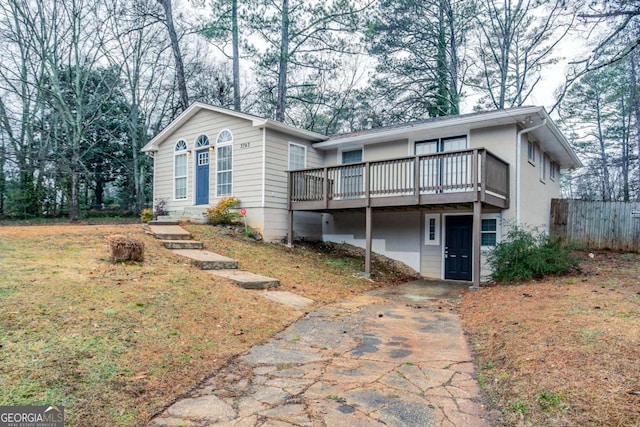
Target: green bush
(146, 215)
(221, 212)
(527, 254)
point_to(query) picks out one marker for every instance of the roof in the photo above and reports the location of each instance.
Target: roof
(256, 121)
(548, 135)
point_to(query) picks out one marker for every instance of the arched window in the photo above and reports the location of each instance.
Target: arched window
(224, 163)
(180, 170)
(202, 141)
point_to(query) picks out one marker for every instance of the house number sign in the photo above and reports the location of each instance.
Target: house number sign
(245, 145)
(635, 213)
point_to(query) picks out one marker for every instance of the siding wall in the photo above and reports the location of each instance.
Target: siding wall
(535, 202)
(305, 224)
(277, 163)
(247, 156)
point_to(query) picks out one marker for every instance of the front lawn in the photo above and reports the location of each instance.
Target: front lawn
(115, 344)
(564, 351)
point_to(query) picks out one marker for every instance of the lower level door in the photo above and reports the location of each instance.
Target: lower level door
(458, 257)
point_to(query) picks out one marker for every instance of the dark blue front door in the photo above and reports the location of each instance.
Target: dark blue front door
(202, 177)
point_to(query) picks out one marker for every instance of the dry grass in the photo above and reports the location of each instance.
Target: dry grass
(565, 351)
(117, 343)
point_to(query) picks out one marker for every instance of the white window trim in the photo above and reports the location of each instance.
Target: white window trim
(304, 147)
(544, 160)
(201, 147)
(341, 150)
(218, 146)
(186, 153)
(498, 229)
(532, 159)
(427, 220)
(552, 170)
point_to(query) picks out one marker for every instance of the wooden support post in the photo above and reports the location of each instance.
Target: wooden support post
(290, 231)
(367, 252)
(477, 242)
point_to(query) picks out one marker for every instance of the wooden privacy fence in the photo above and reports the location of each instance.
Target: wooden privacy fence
(597, 224)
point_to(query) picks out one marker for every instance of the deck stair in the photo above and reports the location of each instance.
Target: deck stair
(180, 242)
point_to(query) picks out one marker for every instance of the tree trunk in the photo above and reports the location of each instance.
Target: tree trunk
(453, 60)
(74, 196)
(281, 102)
(635, 99)
(177, 55)
(605, 187)
(236, 55)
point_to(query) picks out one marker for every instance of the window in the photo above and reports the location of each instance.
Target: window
(439, 174)
(297, 156)
(351, 178)
(440, 145)
(180, 170)
(552, 171)
(531, 153)
(432, 229)
(489, 231)
(544, 164)
(202, 141)
(224, 164)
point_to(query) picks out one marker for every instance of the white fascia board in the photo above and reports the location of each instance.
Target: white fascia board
(501, 117)
(289, 130)
(255, 121)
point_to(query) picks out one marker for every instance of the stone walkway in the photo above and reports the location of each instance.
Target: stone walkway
(395, 357)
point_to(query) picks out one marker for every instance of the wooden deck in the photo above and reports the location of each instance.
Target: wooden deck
(444, 178)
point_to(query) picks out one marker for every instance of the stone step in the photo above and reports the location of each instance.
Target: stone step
(169, 232)
(163, 221)
(247, 280)
(207, 260)
(182, 244)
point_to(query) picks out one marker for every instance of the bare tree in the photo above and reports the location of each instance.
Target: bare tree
(177, 55)
(516, 40)
(297, 35)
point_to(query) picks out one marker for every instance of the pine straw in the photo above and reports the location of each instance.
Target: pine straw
(563, 351)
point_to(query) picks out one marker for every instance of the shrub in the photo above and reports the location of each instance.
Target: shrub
(527, 254)
(146, 215)
(221, 212)
(125, 248)
(160, 207)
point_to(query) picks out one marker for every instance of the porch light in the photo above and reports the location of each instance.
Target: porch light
(210, 149)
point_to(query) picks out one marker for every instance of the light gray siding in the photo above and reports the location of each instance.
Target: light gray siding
(247, 159)
(277, 164)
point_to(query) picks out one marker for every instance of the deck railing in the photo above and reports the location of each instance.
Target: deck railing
(423, 179)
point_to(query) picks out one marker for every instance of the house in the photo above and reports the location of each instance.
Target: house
(436, 194)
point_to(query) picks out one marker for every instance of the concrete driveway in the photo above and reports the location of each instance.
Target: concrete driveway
(392, 357)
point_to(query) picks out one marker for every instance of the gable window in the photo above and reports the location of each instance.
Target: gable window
(432, 229)
(224, 164)
(297, 156)
(489, 232)
(531, 152)
(202, 141)
(180, 170)
(552, 171)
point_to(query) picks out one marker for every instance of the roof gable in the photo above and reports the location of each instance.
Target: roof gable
(255, 121)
